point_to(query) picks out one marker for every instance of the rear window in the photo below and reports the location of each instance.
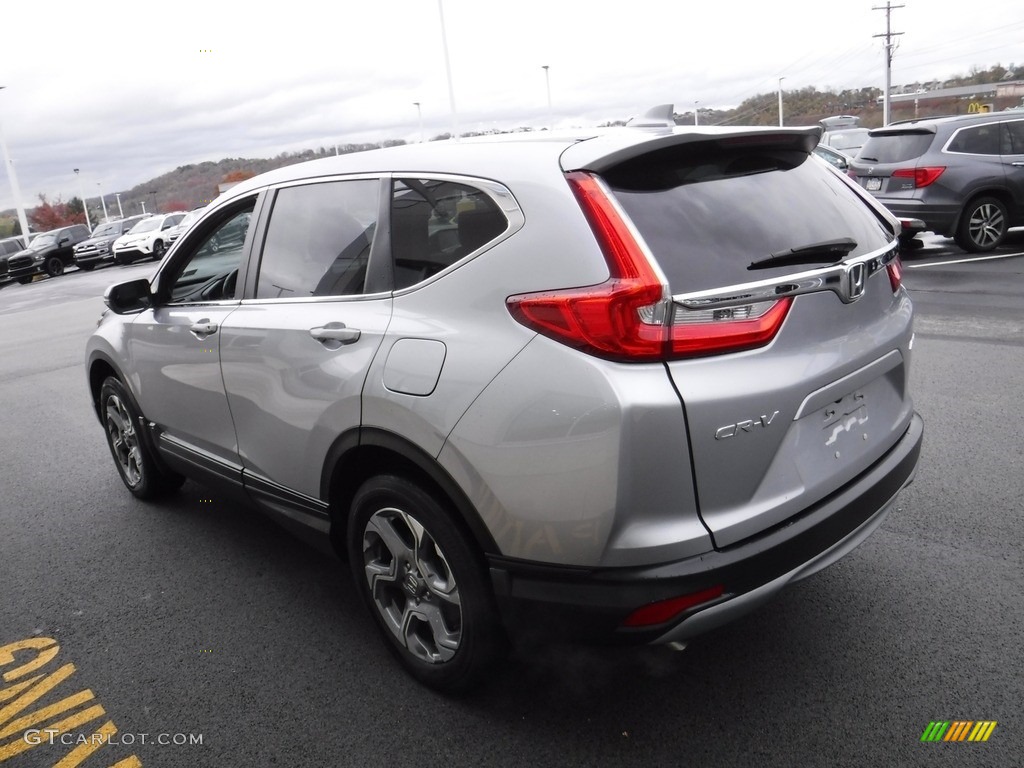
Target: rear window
(708, 215)
(895, 147)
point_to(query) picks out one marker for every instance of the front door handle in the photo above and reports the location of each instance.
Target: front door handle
(335, 332)
(203, 328)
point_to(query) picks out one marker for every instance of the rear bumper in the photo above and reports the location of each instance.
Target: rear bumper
(940, 219)
(591, 604)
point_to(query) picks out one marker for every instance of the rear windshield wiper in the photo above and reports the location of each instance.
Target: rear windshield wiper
(869, 159)
(827, 252)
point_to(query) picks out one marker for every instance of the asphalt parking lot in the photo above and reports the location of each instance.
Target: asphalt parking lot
(193, 632)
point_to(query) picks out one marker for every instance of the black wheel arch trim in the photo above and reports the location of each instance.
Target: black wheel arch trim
(999, 193)
(146, 430)
(352, 447)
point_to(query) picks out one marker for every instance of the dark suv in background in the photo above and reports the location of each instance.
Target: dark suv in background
(48, 253)
(98, 249)
(963, 176)
(8, 247)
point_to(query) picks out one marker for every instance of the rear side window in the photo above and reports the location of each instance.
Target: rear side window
(435, 223)
(1013, 138)
(895, 147)
(708, 215)
(977, 140)
(318, 240)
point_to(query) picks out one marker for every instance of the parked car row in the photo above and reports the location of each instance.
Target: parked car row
(120, 242)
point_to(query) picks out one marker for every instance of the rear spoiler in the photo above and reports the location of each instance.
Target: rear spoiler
(656, 129)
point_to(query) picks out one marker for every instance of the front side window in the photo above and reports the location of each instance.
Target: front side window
(318, 240)
(210, 272)
(435, 223)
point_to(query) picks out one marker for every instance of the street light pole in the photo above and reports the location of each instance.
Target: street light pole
(448, 70)
(120, 210)
(547, 83)
(780, 100)
(696, 110)
(81, 194)
(419, 118)
(102, 202)
(8, 163)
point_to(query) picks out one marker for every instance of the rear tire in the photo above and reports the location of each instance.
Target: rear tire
(425, 584)
(26, 280)
(983, 225)
(138, 468)
(87, 267)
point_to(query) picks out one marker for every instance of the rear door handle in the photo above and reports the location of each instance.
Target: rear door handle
(203, 328)
(335, 332)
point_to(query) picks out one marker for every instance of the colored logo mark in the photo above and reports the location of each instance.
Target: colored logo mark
(958, 730)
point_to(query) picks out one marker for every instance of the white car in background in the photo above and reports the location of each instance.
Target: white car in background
(182, 226)
(147, 239)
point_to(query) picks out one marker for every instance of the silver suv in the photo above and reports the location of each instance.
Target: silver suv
(962, 176)
(619, 387)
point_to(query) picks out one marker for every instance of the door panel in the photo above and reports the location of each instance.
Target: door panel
(179, 383)
(291, 394)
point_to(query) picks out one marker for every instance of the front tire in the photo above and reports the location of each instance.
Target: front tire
(135, 463)
(425, 584)
(54, 266)
(158, 250)
(983, 225)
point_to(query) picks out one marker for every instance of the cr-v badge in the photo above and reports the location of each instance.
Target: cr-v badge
(731, 430)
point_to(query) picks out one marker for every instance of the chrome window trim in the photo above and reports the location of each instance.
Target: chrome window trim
(1000, 122)
(499, 193)
(841, 279)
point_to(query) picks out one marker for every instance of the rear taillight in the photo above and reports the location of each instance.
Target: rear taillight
(922, 176)
(895, 270)
(631, 317)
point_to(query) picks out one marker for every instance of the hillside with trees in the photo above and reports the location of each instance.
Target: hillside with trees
(189, 186)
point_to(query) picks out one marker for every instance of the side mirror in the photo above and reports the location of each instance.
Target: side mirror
(129, 297)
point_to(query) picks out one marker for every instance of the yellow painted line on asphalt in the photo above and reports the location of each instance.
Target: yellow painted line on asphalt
(963, 261)
(23, 727)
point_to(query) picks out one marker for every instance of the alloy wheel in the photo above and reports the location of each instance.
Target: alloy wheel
(124, 440)
(412, 586)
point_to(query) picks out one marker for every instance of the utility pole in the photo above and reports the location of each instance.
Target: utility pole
(780, 100)
(889, 46)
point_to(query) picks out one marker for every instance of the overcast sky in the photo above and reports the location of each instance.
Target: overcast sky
(126, 91)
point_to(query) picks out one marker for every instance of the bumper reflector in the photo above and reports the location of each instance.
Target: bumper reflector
(653, 614)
